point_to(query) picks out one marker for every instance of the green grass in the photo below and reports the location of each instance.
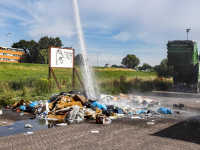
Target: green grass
(30, 81)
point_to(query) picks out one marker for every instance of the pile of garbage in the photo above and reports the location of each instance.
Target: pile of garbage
(70, 107)
(65, 107)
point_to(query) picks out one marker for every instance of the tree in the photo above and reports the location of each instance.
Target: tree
(29, 47)
(43, 56)
(38, 52)
(32, 51)
(43, 47)
(145, 66)
(163, 69)
(130, 61)
(114, 66)
(23, 44)
(45, 42)
(107, 65)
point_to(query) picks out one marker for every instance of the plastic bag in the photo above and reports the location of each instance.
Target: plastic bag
(33, 104)
(100, 106)
(164, 111)
(22, 107)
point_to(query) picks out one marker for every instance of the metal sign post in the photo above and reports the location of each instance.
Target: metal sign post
(62, 58)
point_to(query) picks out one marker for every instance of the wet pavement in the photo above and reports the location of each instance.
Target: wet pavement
(18, 127)
(174, 131)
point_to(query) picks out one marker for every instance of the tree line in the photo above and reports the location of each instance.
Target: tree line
(132, 62)
(38, 52)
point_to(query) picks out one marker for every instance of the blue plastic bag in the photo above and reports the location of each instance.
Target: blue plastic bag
(22, 107)
(164, 111)
(141, 111)
(33, 104)
(100, 106)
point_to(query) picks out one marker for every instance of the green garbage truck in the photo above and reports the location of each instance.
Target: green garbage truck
(183, 55)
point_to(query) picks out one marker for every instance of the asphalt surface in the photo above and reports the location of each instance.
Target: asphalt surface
(170, 131)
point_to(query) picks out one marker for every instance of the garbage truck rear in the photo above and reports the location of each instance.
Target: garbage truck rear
(183, 55)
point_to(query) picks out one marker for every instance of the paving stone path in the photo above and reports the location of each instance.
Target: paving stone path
(171, 132)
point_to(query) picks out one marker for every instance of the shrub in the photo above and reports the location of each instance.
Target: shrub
(42, 86)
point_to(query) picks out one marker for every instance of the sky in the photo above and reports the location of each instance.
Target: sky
(112, 28)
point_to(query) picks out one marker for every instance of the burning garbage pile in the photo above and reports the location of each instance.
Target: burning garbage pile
(74, 108)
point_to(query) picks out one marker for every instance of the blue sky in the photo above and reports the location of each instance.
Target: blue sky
(112, 27)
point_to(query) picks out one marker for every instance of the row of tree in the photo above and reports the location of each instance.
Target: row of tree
(38, 52)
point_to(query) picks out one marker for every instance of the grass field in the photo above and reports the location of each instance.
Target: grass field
(30, 81)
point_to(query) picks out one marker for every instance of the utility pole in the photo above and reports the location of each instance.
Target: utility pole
(187, 30)
(6, 47)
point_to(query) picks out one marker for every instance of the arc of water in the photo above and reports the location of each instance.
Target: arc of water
(86, 69)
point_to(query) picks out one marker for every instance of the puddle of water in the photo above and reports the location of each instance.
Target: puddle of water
(18, 127)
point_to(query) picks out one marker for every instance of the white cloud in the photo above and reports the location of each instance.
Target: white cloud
(122, 36)
(107, 24)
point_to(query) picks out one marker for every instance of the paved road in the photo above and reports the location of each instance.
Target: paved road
(169, 132)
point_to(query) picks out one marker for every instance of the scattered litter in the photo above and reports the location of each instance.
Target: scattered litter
(10, 127)
(185, 124)
(197, 101)
(142, 118)
(141, 111)
(94, 131)
(150, 122)
(21, 114)
(120, 115)
(107, 120)
(112, 117)
(178, 112)
(61, 124)
(191, 106)
(135, 117)
(28, 133)
(0, 112)
(28, 126)
(4, 122)
(164, 111)
(181, 106)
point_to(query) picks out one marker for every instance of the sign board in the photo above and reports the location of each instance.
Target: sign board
(61, 57)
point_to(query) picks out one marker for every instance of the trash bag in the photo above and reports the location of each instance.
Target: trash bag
(107, 112)
(100, 106)
(30, 109)
(118, 110)
(33, 104)
(110, 107)
(88, 104)
(164, 111)
(22, 107)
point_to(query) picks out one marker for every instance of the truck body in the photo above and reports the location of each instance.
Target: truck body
(183, 55)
